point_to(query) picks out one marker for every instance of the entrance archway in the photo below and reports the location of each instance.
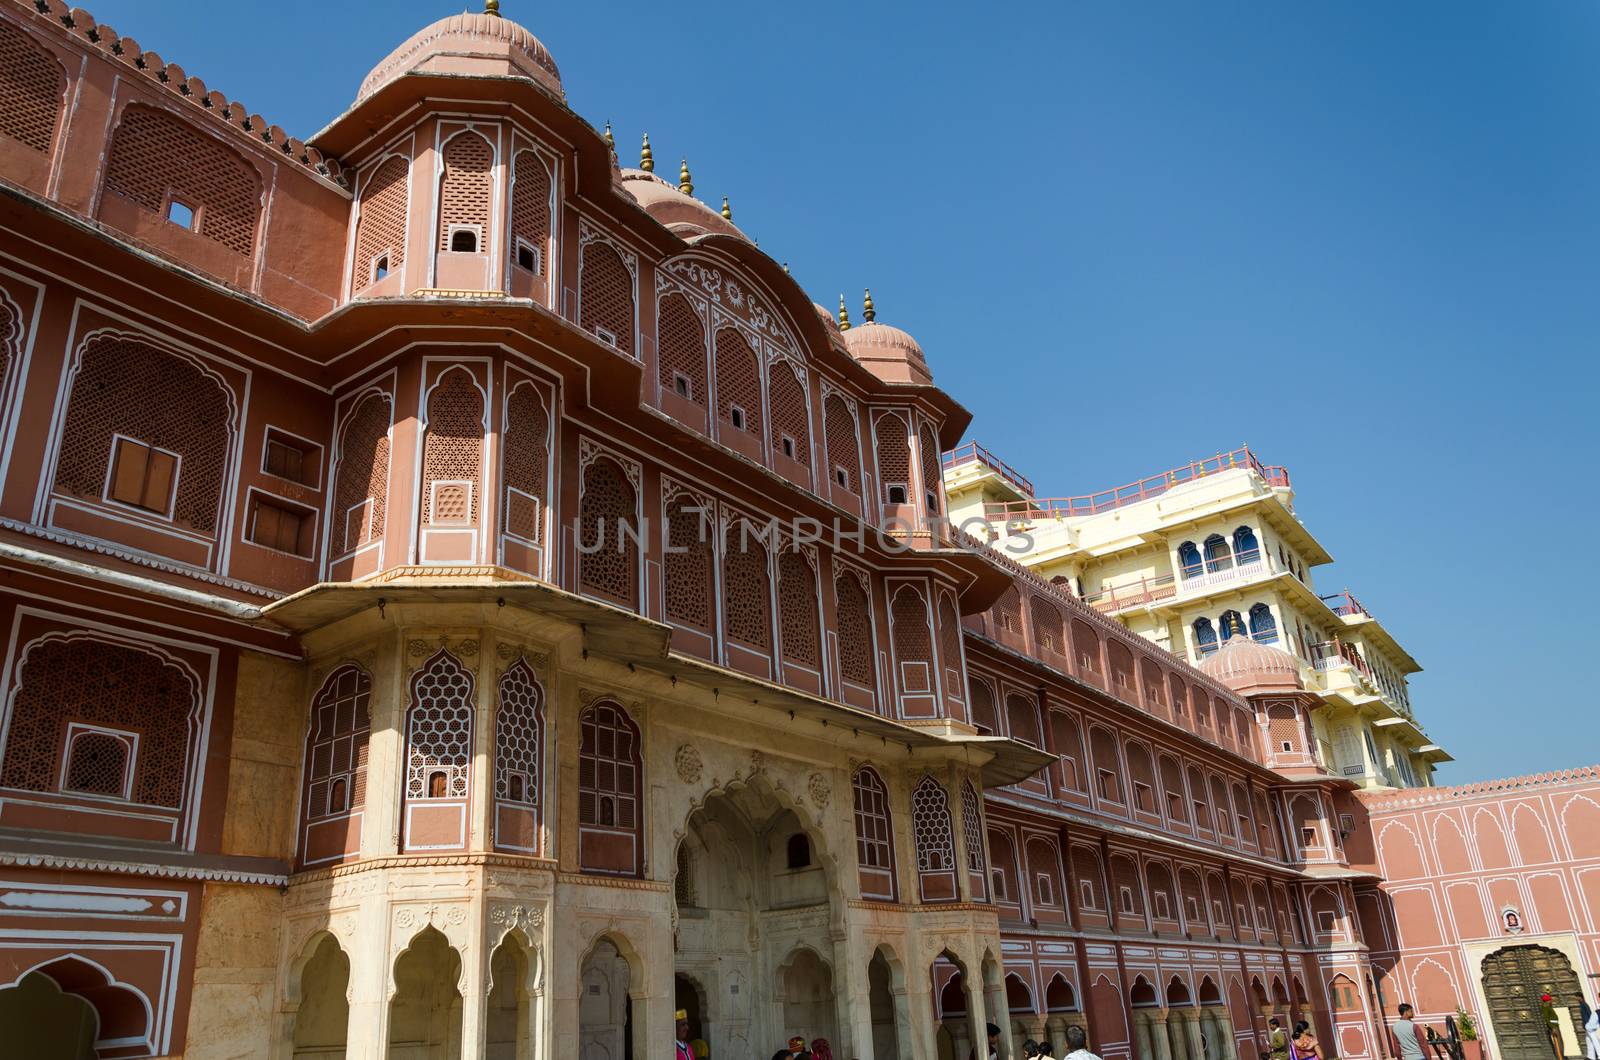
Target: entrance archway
(689, 999)
(322, 1019)
(605, 1014)
(887, 996)
(754, 887)
(509, 1019)
(425, 1013)
(1514, 980)
(62, 1008)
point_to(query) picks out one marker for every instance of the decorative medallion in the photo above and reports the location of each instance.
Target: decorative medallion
(689, 764)
(819, 790)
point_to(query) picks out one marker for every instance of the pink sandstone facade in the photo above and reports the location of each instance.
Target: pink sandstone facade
(462, 598)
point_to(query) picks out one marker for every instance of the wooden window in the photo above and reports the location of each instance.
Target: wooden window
(1110, 791)
(1086, 894)
(287, 457)
(1125, 899)
(1163, 911)
(1193, 905)
(279, 526)
(1144, 797)
(1043, 892)
(141, 475)
(1308, 837)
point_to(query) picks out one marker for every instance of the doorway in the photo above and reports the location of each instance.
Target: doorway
(1514, 981)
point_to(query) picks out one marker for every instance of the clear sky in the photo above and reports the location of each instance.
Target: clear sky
(1360, 236)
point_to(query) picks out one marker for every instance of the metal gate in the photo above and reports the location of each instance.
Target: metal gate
(1514, 980)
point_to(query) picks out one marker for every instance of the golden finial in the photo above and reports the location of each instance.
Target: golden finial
(844, 315)
(727, 211)
(868, 313)
(491, 7)
(685, 182)
(646, 163)
(611, 141)
(786, 268)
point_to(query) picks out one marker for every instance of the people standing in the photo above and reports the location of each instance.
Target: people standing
(1591, 1029)
(1306, 1046)
(681, 1049)
(1408, 1039)
(1078, 1045)
(796, 1050)
(1277, 1040)
(1046, 1050)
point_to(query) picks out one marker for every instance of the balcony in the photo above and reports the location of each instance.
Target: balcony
(972, 452)
(1132, 493)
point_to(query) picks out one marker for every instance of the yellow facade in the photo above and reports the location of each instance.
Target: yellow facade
(1206, 551)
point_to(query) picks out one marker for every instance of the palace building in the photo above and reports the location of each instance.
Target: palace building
(463, 599)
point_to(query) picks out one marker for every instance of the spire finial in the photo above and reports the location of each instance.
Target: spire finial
(727, 211)
(685, 181)
(491, 7)
(844, 315)
(646, 163)
(868, 313)
(611, 141)
(786, 268)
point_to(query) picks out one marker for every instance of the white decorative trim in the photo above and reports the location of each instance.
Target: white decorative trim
(11, 859)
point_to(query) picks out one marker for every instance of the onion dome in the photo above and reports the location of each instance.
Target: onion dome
(889, 353)
(481, 45)
(675, 208)
(1250, 668)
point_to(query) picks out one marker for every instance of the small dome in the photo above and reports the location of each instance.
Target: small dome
(1250, 668)
(469, 44)
(684, 214)
(891, 354)
(828, 319)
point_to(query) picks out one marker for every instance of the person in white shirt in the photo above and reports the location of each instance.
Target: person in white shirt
(1078, 1045)
(1591, 1027)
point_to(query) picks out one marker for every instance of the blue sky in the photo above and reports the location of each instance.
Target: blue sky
(1360, 236)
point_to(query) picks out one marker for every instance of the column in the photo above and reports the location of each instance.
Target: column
(1175, 1036)
(1141, 1037)
(474, 992)
(1229, 1044)
(1191, 1025)
(977, 1011)
(380, 824)
(367, 1034)
(853, 1000)
(962, 1046)
(1159, 1040)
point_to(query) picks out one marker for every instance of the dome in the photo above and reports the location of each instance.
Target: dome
(684, 214)
(891, 354)
(480, 45)
(828, 320)
(1250, 668)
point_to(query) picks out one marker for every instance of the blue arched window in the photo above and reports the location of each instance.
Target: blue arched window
(1263, 627)
(1204, 636)
(1189, 560)
(1245, 547)
(1217, 555)
(1232, 625)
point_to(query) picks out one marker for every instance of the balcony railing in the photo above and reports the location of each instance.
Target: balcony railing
(1134, 492)
(1223, 570)
(1346, 604)
(973, 452)
(1114, 598)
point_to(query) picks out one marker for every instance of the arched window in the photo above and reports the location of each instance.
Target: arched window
(1245, 548)
(608, 560)
(166, 459)
(855, 630)
(1263, 627)
(972, 827)
(844, 451)
(530, 213)
(984, 716)
(1217, 555)
(913, 640)
(894, 459)
(361, 483)
(335, 770)
(72, 687)
(1205, 638)
(681, 349)
(949, 629)
(1048, 629)
(799, 851)
(746, 588)
(605, 295)
(687, 564)
(32, 87)
(159, 161)
(452, 453)
(610, 787)
(381, 229)
(797, 609)
(464, 191)
(791, 430)
(519, 761)
(1189, 560)
(874, 835)
(738, 384)
(932, 481)
(1232, 625)
(1022, 716)
(935, 841)
(438, 754)
(525, 468)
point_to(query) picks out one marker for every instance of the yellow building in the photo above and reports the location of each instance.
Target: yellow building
(1207, 551)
